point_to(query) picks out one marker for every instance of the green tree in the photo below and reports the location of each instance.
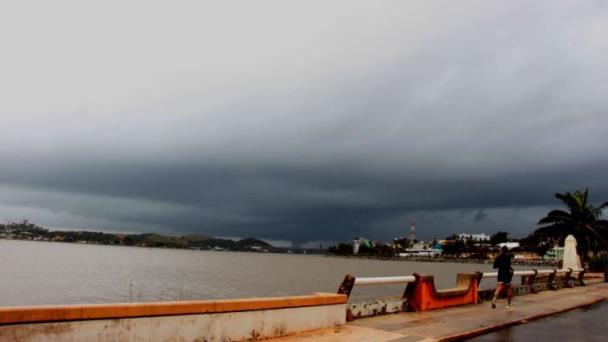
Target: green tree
(580, 219)
(454, 247)
(499, 237)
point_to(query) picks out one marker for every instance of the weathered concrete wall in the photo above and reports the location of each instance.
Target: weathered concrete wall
(377, 307)
(197, 327)
(211, 320)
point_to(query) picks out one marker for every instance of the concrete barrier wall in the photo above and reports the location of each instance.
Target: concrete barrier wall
(422, 294)
(541, 282)
(225, 320)
(376, 307)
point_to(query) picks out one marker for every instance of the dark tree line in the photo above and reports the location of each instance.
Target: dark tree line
(26, 230)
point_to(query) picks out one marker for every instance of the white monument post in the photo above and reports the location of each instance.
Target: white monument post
(571, 259)
(356, 246)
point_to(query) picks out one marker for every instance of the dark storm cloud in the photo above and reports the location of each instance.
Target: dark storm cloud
(481, 215)
(459, 117)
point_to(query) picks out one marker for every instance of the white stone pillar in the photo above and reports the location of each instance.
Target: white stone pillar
(571, 259)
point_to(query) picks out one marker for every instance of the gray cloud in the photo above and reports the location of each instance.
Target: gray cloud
(308, 122)
(481, 215)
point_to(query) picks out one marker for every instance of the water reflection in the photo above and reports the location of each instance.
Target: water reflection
(579, 325)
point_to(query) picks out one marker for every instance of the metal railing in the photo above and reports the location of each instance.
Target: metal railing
(350, 281)
(529, 277)
(384, 280)
(467, 291)
(534, 272)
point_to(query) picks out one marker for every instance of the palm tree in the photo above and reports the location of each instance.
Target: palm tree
(581, 220)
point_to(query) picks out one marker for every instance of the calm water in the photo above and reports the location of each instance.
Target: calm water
(579, 325)
(55, 273)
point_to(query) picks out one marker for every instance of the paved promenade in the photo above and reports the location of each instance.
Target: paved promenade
(459, 322)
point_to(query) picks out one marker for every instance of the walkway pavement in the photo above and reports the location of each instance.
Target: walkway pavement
(459, 322)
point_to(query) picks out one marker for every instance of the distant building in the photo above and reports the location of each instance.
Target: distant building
(526, 255)
(475, 237)
(419, 245)
(554, 254)
(422, 249)
(427, 252)
(361, 241)
(510, 245)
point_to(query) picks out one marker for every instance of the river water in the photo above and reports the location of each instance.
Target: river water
(33, 272)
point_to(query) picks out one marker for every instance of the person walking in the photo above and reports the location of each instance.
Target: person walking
(505, 274)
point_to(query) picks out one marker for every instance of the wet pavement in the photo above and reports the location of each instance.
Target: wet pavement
(586, 324)
(464, 321)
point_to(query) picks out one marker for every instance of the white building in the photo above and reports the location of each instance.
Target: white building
(510, 245)
(421, 252)
(358, 242)
(474, 237)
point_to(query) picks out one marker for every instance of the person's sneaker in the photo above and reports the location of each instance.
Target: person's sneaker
(493, 305)
(509, 307)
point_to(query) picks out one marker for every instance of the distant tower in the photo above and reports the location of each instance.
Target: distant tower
(413, 231)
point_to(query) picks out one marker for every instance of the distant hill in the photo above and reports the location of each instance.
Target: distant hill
(29, 231)
(246, 244)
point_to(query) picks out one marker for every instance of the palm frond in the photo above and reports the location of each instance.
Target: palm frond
(556, 216)
(556, 230)
(586, 195)
(580, 219)
(602, 224)
(597, 235)
(569, 200)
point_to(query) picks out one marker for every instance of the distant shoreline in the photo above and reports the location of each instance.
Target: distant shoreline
(360, 257)
(447, 260)
(28, 231)
(274, 250)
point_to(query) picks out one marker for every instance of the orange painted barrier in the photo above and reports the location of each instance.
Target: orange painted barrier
(422, 294)
(60, 313)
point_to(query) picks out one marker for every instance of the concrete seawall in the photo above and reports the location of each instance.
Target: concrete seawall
(219, 320)
(445, 312)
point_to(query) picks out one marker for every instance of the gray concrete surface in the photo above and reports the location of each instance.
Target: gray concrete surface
(459, 322)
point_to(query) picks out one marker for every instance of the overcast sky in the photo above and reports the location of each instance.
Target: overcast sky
(308, 121)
